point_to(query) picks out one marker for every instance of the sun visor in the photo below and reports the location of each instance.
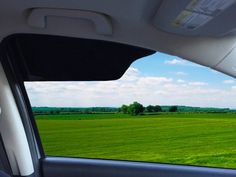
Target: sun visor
(197, 17)
(54, 58)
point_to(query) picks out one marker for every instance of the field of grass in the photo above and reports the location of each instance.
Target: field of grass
(182, 138)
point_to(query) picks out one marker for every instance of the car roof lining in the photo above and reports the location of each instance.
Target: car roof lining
(132, 22)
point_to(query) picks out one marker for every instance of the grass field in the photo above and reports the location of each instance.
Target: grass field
(186, 138)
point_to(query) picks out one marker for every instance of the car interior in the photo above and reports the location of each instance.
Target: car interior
(88, 40)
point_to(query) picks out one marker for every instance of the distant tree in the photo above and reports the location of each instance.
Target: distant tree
(124, 109)
(150, 108)
(173, 109)
(51, 112)
(57, 112)
(87, 111)
(157, 108)
(135, 108)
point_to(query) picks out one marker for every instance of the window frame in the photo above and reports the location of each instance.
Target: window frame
(48, 164)
(23, 105)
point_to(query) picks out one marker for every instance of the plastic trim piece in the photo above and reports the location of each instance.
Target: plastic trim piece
(228, 64)
(12, 131)
(4, 162)
(76, 167)
(24, 108)
(38, 18)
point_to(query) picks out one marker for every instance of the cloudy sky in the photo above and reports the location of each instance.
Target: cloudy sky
(158, 79)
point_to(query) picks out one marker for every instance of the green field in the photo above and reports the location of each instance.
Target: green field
(182, 138)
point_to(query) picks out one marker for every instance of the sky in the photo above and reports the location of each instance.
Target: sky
(159, 79)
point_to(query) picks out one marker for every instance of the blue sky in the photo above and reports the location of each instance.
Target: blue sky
(160, 64)
(158, 79)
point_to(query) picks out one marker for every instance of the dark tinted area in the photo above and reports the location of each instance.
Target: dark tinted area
(53, 58)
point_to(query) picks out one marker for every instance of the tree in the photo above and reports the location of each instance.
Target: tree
(157, 108)
(173, 109)
(150, 108)
(124, 108)
(135, 108)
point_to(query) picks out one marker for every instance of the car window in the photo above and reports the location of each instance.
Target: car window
(163, 109)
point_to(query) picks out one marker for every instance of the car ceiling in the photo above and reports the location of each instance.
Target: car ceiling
(142, 23)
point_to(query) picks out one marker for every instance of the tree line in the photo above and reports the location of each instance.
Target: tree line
(73, 110)
(134, 109)
(137, 108)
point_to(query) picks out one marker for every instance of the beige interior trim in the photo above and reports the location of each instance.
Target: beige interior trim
(12, 131)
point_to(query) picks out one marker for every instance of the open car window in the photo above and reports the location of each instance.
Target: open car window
(163, 109)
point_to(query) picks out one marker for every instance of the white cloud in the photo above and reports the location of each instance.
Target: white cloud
(198, 83)
(228, 81)
(180, 81)
(175, 62)
(153, 80)
(131, 74)
(234, 88)
(214, 71)
(181, 73)
(133, 86)
(178, 61)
